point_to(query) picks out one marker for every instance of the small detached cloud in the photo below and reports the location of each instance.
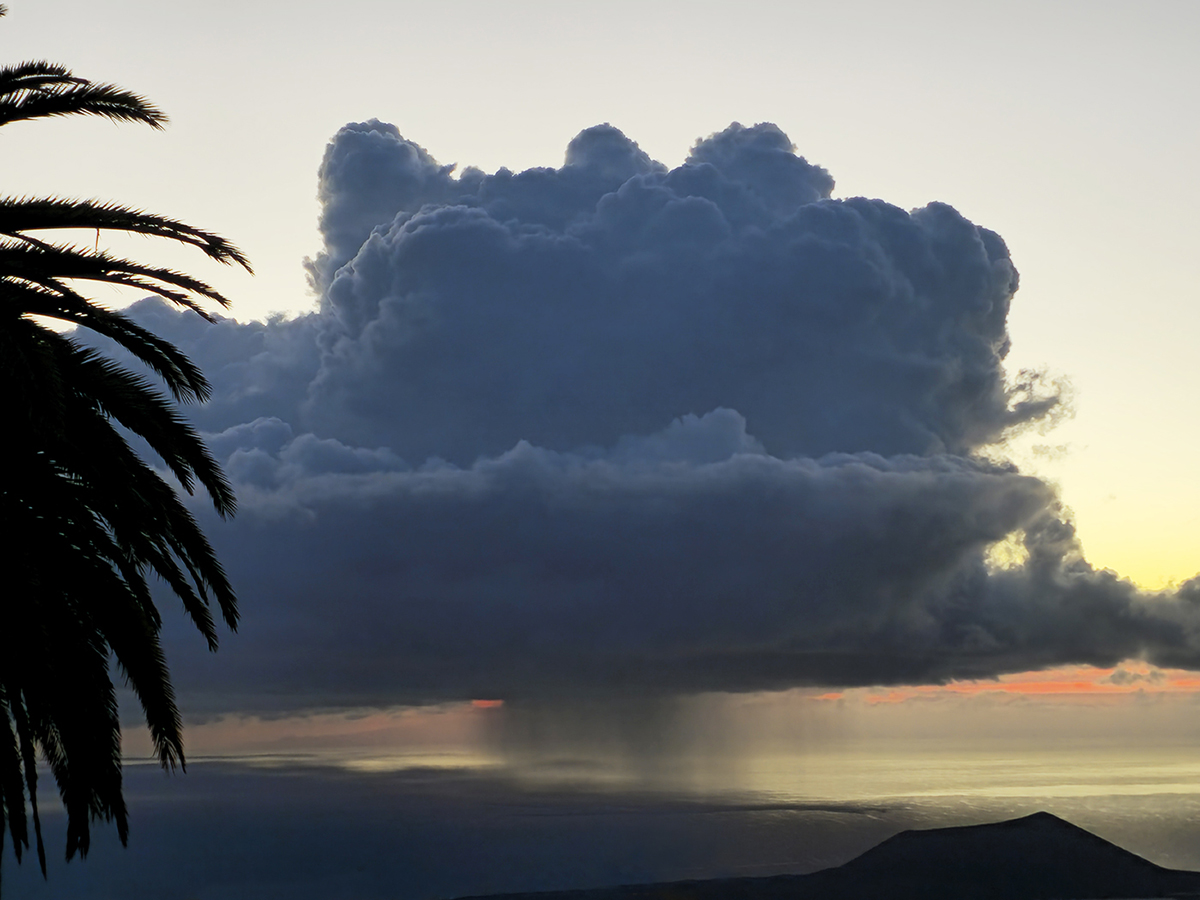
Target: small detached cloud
(1124, 676)
(613, 428)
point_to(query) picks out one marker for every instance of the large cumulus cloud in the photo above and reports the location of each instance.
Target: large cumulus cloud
(575, 305)
(611, 427)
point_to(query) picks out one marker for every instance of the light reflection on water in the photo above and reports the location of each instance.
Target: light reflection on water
(1144, 799)
(925, 772)
(568, 813)
(911, 771)
(755, 785)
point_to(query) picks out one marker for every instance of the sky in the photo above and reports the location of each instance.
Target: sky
(1065, 133)
(826, 353)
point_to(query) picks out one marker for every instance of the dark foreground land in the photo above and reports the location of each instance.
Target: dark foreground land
(1038, 857)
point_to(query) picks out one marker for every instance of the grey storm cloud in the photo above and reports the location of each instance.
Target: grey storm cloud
(613, 427)
(573, 306)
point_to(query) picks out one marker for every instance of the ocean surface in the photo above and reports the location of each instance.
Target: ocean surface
(401, 826)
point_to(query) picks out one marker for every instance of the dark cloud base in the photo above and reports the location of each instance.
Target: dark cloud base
(614, 428)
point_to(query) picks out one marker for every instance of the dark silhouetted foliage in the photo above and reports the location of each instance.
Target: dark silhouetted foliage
(86, 520)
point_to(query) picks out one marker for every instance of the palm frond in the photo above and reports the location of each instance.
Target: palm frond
(29, 764)
(89, 520)
(20, 215)
(12, 785)
(52, 265)
(38, 89)
(184, 380)
(130, 400)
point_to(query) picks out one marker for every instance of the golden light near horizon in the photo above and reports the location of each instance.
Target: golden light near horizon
(1131, 538)
(1056, 706)
(1140, 521)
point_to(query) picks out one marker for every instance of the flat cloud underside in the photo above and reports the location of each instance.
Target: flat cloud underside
(614, 428)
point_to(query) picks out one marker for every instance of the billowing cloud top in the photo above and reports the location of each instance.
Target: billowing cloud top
(573, 306)
(612, 427)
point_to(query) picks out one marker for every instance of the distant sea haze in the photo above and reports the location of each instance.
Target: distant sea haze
(379, 827)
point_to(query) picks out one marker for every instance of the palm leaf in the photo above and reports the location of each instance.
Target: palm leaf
(89, 519)
(38, 89)
(19, 215)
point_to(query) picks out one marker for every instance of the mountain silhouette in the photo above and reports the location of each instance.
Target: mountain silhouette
(1037, 857)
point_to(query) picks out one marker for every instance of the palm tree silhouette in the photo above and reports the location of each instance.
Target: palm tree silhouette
(86, 519)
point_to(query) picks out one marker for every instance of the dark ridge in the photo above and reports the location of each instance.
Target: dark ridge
(1037, 857)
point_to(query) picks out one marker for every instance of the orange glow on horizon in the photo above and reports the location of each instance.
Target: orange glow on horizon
(1080, 681)
(487, 704)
